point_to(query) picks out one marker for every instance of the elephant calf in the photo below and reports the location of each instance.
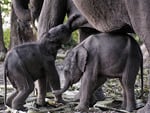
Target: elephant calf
(102, 56)
(34, 61)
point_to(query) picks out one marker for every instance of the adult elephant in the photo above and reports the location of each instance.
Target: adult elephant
(53, 13)
(27, 9)
(110, 15)
(23, 14)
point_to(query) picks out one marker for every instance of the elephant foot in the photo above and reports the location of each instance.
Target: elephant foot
(92, 102)
(81, 108)
(98, 96)
(123, 106)
(41, 102)
(145, 109)
(38, 104)
(46, 104)
(10, 110)
(131, 108)
(23, 109)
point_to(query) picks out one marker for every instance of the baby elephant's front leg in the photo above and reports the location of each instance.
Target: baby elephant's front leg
(54, 80)
(87, 88)
(41, 87)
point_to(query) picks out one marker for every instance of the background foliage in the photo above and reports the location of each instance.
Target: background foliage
(5, 8)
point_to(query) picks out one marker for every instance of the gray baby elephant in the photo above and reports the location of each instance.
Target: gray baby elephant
(34, 61)
(102, 56)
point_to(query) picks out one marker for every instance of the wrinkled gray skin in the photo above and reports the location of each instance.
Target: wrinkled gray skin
(53, 13)
(26, 10)
(34, 61)
(102, 56)
(108, 15)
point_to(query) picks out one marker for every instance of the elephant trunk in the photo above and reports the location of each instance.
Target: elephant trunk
(66, 86)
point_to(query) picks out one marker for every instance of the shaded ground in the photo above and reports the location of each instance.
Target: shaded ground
(111, 88)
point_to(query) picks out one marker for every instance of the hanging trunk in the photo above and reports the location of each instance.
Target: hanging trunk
(66, 86)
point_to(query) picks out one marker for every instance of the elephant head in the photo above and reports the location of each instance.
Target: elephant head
(52, 40)
(74, 67)
(62, 33)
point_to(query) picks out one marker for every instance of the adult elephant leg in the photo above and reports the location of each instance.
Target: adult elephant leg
(140, 16)
(14, 38)
(3, 49)
(52, 14)
(35, 8)
(19, 33)
(21, 8)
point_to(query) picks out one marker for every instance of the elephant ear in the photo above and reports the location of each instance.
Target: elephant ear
(82, 55)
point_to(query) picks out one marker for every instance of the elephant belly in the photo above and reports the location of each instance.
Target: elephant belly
(104, 15)
(36, 70)
(113, 65)
(35, 67)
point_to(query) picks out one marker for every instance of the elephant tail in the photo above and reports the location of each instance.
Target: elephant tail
(5, 79)
(141, 65)
(141, 70)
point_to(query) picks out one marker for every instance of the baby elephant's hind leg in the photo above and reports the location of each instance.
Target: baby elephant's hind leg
(25, 86)
(10, 98)
(13, 95)
(128, 82)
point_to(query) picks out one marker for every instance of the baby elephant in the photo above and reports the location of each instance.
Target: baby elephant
(102, 56)
(34, 61)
